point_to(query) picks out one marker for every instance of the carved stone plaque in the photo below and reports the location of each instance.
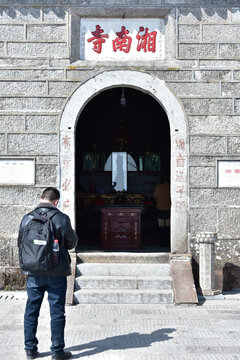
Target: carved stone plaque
(17, 171)
(122, 39)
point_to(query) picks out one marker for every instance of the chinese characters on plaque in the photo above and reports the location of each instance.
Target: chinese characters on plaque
(122, 39)
(17, 171)
(229, 173)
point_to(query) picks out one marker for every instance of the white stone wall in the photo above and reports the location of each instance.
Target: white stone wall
(40, 70)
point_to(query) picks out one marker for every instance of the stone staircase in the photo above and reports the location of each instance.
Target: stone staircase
(123, 278)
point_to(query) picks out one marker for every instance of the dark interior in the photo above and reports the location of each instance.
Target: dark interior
(121, 119)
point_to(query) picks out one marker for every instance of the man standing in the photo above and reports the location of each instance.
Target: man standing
(163, 198)
(54, 281)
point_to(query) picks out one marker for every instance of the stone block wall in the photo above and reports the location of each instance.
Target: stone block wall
(211, 104)
(33, 45)
(39, 71)
(209, 91)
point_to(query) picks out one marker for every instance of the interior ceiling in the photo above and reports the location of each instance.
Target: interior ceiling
(142, 125)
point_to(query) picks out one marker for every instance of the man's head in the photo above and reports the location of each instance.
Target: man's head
(51, 195)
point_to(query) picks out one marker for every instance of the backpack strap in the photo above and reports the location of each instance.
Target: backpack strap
(49, 217)
(45, 214)
(55, 212)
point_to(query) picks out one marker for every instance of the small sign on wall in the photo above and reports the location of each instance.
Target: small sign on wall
(229, 173)
(17, 171)
(122, 39)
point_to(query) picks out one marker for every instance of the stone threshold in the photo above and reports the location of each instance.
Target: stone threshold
(123, 257)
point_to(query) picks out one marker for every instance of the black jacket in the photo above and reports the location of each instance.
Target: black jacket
(63, 232)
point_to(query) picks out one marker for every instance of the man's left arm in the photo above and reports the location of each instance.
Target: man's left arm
(70, 237)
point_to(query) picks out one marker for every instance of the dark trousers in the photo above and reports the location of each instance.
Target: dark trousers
(56, 288)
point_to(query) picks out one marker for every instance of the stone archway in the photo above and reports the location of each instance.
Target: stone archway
(179, 145)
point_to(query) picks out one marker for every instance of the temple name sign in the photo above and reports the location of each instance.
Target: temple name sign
(122, 39)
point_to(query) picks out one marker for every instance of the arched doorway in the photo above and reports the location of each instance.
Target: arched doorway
(123, 119)
(179, 144)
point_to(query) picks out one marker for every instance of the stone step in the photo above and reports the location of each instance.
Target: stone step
(123, 257)
(123, 297)
(123, 282)
(117, 269)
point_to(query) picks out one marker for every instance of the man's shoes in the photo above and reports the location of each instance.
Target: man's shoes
(32, 354)
(62, 356)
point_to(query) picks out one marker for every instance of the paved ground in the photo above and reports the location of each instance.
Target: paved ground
(210, 331)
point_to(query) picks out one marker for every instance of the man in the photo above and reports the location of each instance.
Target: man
(54, 281)
(162, 196)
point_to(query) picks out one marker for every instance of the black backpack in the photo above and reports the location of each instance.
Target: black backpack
(36, 249)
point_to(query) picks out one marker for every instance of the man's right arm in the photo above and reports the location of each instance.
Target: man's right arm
(21, 228)
(20, 235)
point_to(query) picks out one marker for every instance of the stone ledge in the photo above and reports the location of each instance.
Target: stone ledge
(178, 257)
(12, 278)
(123, 297)
(122, 257)
(121, 11)
(71, 280)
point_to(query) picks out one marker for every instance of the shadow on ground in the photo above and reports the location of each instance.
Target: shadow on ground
(121, 342)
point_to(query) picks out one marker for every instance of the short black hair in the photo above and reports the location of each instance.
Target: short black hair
(50, 194)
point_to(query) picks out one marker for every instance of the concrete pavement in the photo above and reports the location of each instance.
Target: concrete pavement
(209, 331)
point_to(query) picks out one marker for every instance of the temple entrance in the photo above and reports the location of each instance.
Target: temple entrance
(155, 89)
(126, 121)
